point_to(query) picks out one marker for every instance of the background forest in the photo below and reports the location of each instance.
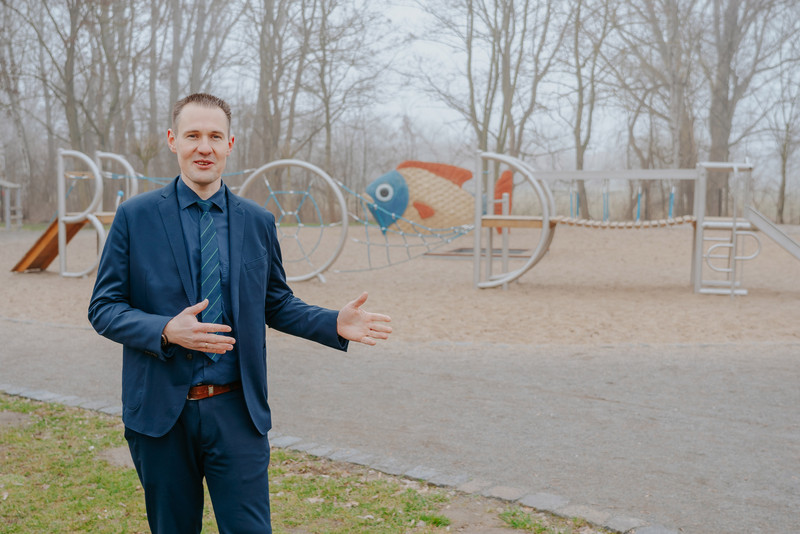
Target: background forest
(356, 87)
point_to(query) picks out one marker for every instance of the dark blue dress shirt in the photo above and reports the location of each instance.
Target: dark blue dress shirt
(226, 369)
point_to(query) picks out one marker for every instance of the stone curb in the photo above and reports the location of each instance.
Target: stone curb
(544, 502)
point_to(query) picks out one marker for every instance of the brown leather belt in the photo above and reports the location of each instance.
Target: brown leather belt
(205, 391)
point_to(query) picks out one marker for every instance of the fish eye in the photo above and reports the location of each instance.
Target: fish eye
(384, 192)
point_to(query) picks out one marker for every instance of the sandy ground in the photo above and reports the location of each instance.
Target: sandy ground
(593, 287)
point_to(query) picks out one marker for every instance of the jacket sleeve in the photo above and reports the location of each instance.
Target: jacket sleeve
(110, 311)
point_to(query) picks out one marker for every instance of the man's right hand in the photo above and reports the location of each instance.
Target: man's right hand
(185, 330)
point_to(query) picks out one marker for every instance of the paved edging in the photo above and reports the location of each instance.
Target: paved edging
(543, 502)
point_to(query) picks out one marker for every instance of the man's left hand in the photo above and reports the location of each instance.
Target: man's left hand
(355, 324)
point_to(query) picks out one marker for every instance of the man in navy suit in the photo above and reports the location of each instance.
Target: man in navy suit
(194, 391)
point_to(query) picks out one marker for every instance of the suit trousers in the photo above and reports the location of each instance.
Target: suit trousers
(215, 439)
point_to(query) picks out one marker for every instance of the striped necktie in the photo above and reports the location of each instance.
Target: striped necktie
(210, 287)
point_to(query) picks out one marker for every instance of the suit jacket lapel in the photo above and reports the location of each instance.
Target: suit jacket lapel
(171, 217)
(236, 223)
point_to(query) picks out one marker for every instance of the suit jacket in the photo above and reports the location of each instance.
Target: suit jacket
(143, 281)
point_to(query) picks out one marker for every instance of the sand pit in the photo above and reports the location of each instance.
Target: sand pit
(593, 287)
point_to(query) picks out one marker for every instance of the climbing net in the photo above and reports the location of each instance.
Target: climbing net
(384, 247)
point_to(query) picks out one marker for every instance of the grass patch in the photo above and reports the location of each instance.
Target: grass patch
(318, 495)
(539, 523)
(52, 481)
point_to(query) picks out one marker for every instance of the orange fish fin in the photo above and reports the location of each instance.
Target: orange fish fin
(424, 210)
(504, 185)
(457, 175)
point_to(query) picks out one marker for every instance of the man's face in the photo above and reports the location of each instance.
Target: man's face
(202, 144)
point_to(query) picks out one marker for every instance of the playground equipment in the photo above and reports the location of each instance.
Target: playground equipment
(66, 225)
(297, 210)
(300, 237)
(744, 219)
(310, 208)
(722, 256)
(12, 210)
(313, 220)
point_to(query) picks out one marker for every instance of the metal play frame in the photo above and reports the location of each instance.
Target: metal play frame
(66, 225)
(722, 250)
(314, 270)
(92, 214)
(711, 254)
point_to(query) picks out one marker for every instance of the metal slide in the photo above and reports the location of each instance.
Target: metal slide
(769, 229)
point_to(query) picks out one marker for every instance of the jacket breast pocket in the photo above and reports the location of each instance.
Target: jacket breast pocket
(254, 279)
(257, 263)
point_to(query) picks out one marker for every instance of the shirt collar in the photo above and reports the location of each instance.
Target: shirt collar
(187, 197)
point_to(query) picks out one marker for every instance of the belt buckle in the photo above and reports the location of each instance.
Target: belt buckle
(210, 391)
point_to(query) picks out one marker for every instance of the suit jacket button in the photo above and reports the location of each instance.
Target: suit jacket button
(189, 356)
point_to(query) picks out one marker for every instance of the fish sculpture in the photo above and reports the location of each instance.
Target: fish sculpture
(422, 197)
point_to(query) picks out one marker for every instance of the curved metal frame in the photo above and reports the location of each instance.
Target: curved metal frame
(131, 183)
(546, 237)
(63, 218)
(709, 255)
(339, 197)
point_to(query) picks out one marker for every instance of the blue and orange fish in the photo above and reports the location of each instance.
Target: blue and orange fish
(421, 197)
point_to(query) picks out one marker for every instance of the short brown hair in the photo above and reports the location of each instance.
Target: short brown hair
(202, 99)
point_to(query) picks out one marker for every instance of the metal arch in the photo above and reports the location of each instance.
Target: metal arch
(98, 189)
(131, 182)
(546, 236)
(552, 204)
(339, 197)
(101, 242)
(63, 218)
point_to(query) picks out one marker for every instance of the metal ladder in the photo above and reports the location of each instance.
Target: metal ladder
(722, 254)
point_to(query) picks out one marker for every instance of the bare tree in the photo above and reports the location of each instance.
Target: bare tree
(287, 118)
(783, 120)
(654, 61)
(508, 48)
(58, 30)
(744, 40)
(12, 59)
(591, 24)
(659, 42)
(342, 66)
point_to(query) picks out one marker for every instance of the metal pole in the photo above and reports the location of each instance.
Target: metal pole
(476, 250)
(734, 232)
(699, 215)
(62, 210)
(506, 211)
(18, 206)
(6, 207)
